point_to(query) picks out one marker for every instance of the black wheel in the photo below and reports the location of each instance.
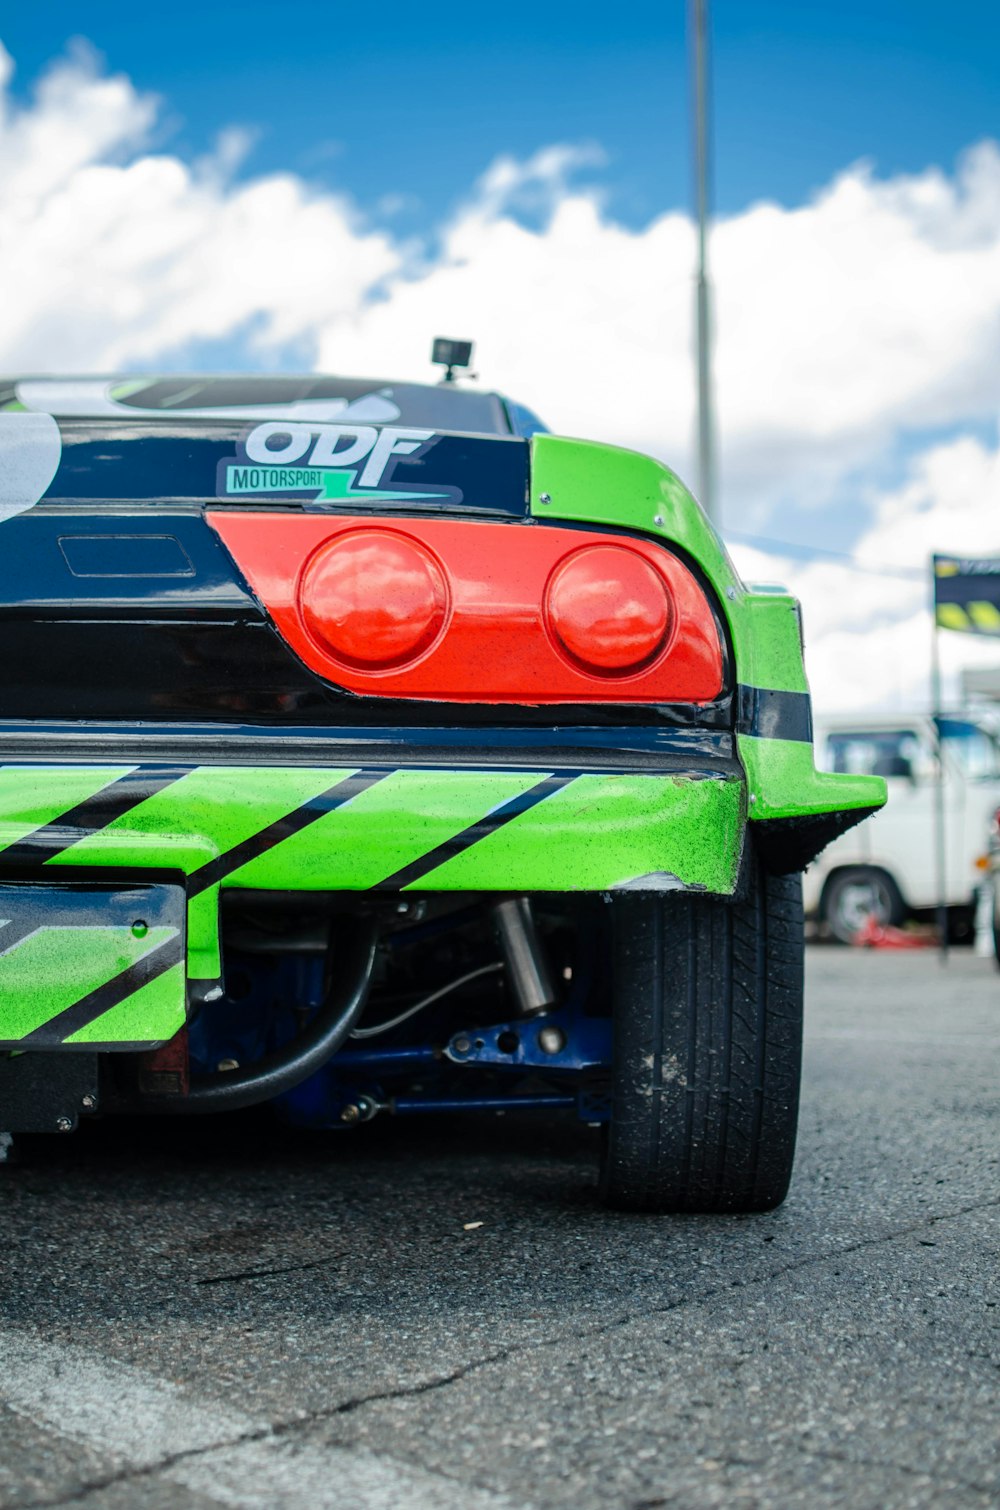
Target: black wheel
(707, 1050)
(854, 897)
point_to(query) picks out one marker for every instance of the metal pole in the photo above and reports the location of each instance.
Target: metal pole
(698, 22)
(940, 834)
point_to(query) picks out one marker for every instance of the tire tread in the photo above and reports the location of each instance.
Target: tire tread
(708, 1032)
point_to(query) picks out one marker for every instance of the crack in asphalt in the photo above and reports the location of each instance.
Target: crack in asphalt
(137, 1473)
(314, 1263)
(272, 1431)
(602, 1329)
(426, 1386)
(275, 1431)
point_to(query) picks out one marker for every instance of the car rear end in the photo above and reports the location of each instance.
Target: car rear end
(330, 747)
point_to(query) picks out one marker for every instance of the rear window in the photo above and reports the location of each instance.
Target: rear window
(443, 406)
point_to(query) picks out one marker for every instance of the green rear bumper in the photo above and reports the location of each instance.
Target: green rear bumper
(315, 829)
(189, 832)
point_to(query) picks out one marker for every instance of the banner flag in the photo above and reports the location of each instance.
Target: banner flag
(967, 594)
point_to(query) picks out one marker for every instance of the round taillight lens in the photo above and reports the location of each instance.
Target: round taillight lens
(375, 599)
(608, 610)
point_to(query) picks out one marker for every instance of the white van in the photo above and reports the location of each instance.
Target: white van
(886, 868)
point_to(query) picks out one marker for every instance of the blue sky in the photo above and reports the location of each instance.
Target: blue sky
(407, 104)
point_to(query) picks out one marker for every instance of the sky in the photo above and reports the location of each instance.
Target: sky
(403, 106)
(258, 189)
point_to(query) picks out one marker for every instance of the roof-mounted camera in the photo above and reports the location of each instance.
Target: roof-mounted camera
(451, 354)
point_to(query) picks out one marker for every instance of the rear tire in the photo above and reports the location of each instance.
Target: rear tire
(854, 896)
(707, 1050)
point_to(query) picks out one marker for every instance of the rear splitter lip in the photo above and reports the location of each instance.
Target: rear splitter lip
(655, 751)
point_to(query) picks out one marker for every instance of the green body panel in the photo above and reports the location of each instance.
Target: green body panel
(383, 829)
(61, 969)
(33, 795)
(206, 813)
(153, 1014)
(482, 830)
(603, 485)
(596, 484)
(635, 826)
(204, 957)
(53, 968)
(595, 833)
(782, 782)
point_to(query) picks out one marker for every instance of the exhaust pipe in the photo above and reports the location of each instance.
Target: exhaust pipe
(290, 1065)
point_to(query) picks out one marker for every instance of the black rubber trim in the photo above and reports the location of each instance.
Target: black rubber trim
(283, 828)
(460, 842)
(111, 994)
(89, 817)
(767, 714)
(620, 750)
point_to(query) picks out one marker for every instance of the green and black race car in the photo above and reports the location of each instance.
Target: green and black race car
(367, 750)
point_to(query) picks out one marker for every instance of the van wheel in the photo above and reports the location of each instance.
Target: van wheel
(853, 897)
(707, 1050)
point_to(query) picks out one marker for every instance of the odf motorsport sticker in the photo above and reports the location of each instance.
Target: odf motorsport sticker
(332, 463)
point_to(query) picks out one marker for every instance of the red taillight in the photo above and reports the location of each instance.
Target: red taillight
(456, 610)
(373, 599)
(608, 609)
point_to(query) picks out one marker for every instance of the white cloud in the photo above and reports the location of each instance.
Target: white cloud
(112, 256)
(873, 310)
(950, 502)
(845, 326)
(868, 632)
(79, 117)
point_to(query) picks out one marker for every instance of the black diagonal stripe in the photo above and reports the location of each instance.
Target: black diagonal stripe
(111, 994)
(472, 835)
(283, 828)
(774, 715)
(89, 817)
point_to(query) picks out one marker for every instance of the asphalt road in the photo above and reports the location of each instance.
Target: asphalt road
(212, 1315)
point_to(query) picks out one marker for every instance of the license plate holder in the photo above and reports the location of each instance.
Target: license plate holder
(91, 966)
